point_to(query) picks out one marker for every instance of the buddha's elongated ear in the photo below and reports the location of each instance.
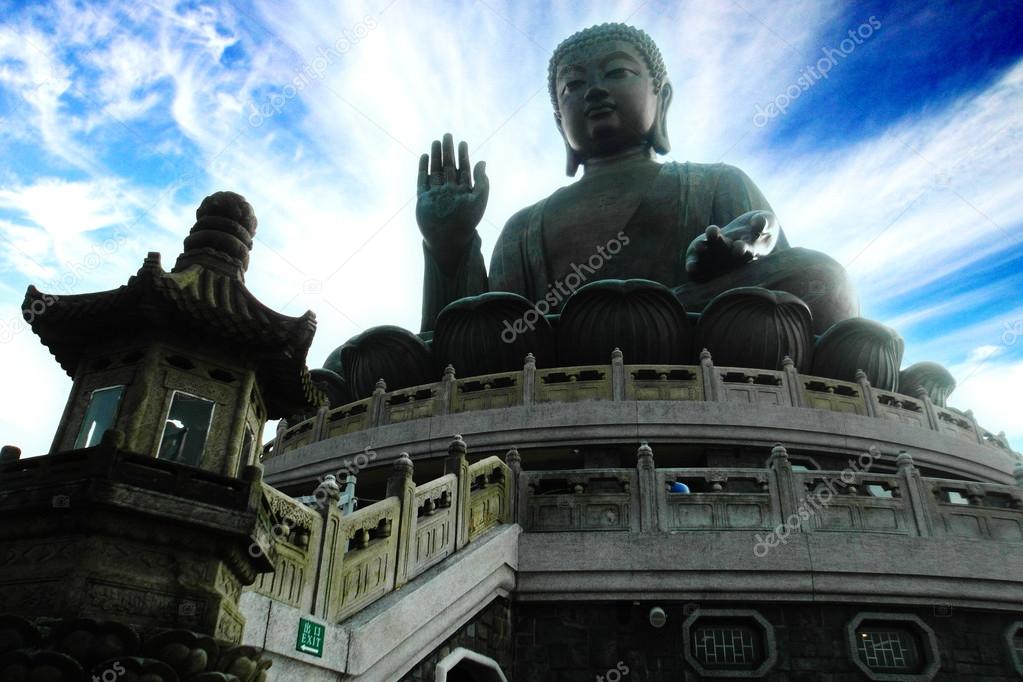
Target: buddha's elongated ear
(659, 135)
(572, 160)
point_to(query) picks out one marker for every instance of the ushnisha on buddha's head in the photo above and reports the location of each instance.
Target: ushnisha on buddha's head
(610, 93)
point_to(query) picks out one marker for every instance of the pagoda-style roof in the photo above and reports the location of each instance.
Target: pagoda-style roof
(203, 300)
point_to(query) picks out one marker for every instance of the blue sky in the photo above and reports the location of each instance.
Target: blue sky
(904, 163)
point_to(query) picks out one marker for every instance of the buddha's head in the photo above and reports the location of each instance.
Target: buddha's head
(610, 93)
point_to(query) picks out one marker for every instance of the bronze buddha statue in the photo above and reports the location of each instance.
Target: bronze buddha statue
(611, 94)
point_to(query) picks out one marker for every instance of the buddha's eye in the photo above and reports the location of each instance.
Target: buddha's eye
(571, 85)
(620, 72)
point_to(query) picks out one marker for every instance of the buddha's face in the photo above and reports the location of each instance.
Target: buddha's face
(606, 98)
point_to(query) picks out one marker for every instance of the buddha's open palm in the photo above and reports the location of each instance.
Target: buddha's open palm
(720, 249)
(451, 202)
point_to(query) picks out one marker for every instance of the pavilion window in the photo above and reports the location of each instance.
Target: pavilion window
(186, 429)
(99, 415)
(887, 649)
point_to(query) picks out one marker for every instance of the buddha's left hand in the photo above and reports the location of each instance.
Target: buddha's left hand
(721, 249)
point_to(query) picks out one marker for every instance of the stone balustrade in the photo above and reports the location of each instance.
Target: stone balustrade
(776, 497)
(620, 382)
(332, 564)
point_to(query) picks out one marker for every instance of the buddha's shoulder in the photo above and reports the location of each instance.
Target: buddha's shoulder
(709, 173)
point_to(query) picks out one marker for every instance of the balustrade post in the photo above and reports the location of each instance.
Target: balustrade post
(646, 471)
(282, 427)
(401, 485)
(713, 387)
(915, 493)
(378, 406)
(869, 401)
(332, 549)
(976, 427)
(793, 382)
(617, 375)
(320, 425)
(456, 463)
(447, 391)
(516, 495)
(785, 494)
(932, 414)
(528, 379)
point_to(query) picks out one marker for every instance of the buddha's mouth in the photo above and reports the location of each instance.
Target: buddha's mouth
(599, 111)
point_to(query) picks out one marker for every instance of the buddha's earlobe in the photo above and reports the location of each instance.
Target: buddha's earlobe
(572, 160)
(659, 135)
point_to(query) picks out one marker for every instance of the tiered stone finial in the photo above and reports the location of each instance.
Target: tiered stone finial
(904, 461)
(403, 465)
(222, 235)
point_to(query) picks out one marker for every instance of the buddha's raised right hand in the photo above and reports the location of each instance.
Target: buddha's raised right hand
(450, 203)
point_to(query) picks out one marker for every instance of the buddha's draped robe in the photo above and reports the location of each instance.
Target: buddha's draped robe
(682, 202)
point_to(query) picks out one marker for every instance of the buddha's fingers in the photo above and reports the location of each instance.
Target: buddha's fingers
(482, 182)
(463, 164)
(423, 181)
(436, 178)
(449, 158)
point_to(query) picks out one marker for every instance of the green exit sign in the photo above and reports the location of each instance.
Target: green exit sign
(310, 637)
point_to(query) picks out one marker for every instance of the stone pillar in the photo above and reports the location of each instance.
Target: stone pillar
(868, 393)
(446, 392)
(915, 493)
(517, 496)
(236, 439)
(794, 383)
(528, 379)
(378, 404)
(456, 464)
(401, 485)
(713, 389)
(333, 546)
(785, 493)
(646, 471)
(617, 375)
(932, 414)
(320, 425)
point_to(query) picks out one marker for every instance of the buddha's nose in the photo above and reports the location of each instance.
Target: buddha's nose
(595, 93)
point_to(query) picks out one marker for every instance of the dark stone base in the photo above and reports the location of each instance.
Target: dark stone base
(581, 642)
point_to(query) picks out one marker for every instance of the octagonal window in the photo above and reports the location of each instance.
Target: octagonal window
(893, 646)
(729, 643)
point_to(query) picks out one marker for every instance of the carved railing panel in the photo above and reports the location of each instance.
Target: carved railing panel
(297, 530)
(299, 435)
(349, 418)
(900, 408)
(955, 424)
(418, 402)
(761, 386)
(487, 392)
(572, 384)
(433, 535)
(853, 501)
(663, 382)
(977, 510)
(718, 499)
(367, 569)
(489, 495)
(594, 499)
(830, 394)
